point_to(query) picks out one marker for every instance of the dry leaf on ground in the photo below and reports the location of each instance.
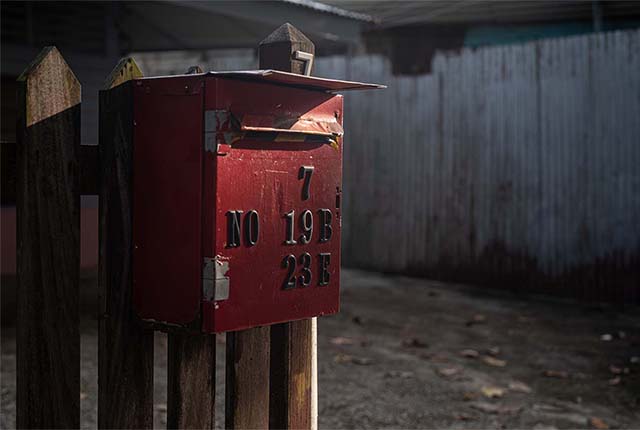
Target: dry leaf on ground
(615, 381)
(598, 423)
(494, 350)
(161, 406)
(519, 387)
(346, 358)
(448, 371)
(341, 341)
(492, 392)
(469, 396)
(469, 353)
(555, 374)
(491, 361)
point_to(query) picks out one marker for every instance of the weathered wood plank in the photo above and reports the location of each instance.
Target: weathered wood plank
(125, 369)
(48, 238)
(247, 366)
(191, 381)
(291, 363)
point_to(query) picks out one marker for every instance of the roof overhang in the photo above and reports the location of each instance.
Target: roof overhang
(184, 25)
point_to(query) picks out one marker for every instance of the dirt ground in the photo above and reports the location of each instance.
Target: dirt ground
(411, 353)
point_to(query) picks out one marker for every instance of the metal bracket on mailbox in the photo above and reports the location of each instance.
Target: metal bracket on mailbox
(215, 282)
(307, 57)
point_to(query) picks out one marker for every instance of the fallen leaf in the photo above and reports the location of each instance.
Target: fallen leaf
(477, 319)
(341, 340)
(161, 406)
(83, 395)
(494, 350)
(606, 337)
(491, 361)
(342, 358)
(463, 417)
(598, 423)
(399, 374)
(469, 353)
(492, 392)
(448, 371)
(469, 396)
(519, 387)
(414, 343)
(615, 381)
(346, 358)
(555, 374)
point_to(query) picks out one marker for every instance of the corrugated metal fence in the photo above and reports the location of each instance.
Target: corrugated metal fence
(516, 166)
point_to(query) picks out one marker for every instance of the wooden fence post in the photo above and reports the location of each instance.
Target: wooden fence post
(48, 241)
(291, 375)
(270, 368)
(191, 374)
(125, 361)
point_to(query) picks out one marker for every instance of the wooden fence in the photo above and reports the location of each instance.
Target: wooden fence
(515, 166)
(269, 370)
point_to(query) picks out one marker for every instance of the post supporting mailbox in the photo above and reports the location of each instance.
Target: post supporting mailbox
(232, 217)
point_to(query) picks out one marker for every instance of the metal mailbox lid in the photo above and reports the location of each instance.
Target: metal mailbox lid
(252, 176)
(290, 79)
(294, 79)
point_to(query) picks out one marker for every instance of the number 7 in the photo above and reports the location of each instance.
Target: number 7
(305, 172)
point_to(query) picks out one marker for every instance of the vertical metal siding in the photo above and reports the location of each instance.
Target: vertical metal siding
(516, 166)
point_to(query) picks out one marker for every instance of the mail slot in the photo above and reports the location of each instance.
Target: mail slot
(237, 198)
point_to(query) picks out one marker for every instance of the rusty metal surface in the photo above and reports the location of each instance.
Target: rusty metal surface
(237, 202)
(259, 174)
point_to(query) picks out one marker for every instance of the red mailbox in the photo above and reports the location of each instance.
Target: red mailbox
(237, 198)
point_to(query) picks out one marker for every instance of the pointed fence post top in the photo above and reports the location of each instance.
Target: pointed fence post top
(287, 49)
(125, 70)
(51, 86)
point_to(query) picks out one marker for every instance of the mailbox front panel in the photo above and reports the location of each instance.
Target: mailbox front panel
(272, 204)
